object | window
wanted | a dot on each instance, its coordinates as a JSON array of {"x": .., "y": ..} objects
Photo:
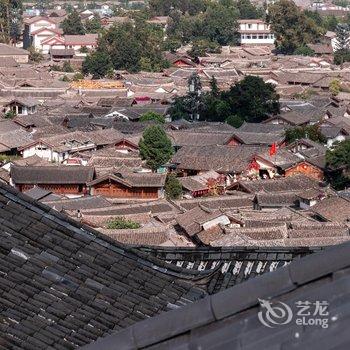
[{"x": 249, "y": 26}]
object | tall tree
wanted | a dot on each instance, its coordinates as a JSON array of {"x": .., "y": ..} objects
[
  {"x": 291, "y": 26},
  {"x": 133, "y": 48},
  {"x": 93, "y": 25},
  {"x": 338, "y": 164},
  {"x": 252, "y": 99},
  {"x": 155, "y": 147},
  {"x": 10, "y": 20},
  {"x": 249, "y": 11},
  {"x": 173, "y": 187},
  {"x": 73, "y": 25},
  {"x": 98, "y": 64}
]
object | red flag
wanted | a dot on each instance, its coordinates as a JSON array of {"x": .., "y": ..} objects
[{"x": 273, "y": 149}]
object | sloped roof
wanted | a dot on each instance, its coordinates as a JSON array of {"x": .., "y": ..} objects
[
  {"x": 223, "y": 159},
  {"x": 229, "y": 320},
  {"x": 8, "y": 50},
  {"x": 292, "y": 183},
  {"x": 72, "y": 174},
  {"x": 65, "y": 285}
]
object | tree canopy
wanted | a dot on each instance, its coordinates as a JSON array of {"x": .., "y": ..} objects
[
  {"x": 98, "y": 64},
  {"x": 72, "y": 25},
  {"x": 129, "y": 47},
  {"x": 250, "y": 100},
  {"x": 311, "y": 132},
  {"x": 93, "y": 25},
  {"x": 216, "y": 24},
  {"x": 338, "y": 163},
  {"x": 10, "y": 21},
  {"x": 173, "y": 187},
  {"x": 155, "y": 147},
  {"x": 291, "y": 26}
]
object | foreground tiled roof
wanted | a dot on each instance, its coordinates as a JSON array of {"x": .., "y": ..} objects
[
  {"x": 230, "y": 320},
  {"x": 63, "y": 285}
]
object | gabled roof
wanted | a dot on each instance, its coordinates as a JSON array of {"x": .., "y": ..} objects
[
  {"x": 222, "y": 159},
  {"x": 8, "y": 50}
]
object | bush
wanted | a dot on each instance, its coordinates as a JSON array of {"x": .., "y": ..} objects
[
  {"x": 78, "y": 76},
  {"x": 67, "y": 67},
  {"x": 304, "y": 51},
  {"x": 122, "y": 223}
]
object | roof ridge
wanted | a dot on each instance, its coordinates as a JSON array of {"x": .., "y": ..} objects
[{"x": 229, "y": 302}]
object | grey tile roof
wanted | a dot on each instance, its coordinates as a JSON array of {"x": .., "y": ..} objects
[
  {"x": 64, "y": 285},
  {"x": 35, "y": 175},
  {"x": 223, "y": 159},
  {"x": 229, "y": 320}
]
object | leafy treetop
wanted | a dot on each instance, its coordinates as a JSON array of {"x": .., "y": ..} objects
[{"x": 155, "y": 147}]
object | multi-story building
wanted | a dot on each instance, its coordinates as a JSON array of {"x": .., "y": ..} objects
[{"x": 255, "y": 31}]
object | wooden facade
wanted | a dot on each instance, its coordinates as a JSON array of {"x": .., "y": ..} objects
[
  {"x": 306, "y": 169},
  {"x": 63, "y": 189},
  {"x": 112, "y": 189}
]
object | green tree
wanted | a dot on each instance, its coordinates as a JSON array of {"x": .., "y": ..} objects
[
  {"x": 235, "y": 121},
  {"x": 134, "y": 47},
  {"x": 152, "y": 116},
  {"x": 311, "y": 132},
  {"x": 10, "y": 20},
  {"x": 338, "y": 164},
  {"x": 249, "y": 11},
  {"x": 155, "y": 147},
  {"x": 330, "y": 23},
  {"x": 165, "y": 7},
  {"x": 173, "y": 187},
  {"x": 252, "y": 99},
  {"x": 72, "y": 25},
  {"x": 220, "y": 24},
  {"x": 291, "y": 26},
  {"x": 201, "y": 47},
  {"x": 93, "y": 25},
  {"x": 98, "y": 64}
]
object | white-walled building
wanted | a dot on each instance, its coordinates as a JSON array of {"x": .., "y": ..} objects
[{"x": 254, "y": 32}]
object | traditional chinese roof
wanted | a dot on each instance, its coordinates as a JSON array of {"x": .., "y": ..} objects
[{"x": 229, "y": 320}]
